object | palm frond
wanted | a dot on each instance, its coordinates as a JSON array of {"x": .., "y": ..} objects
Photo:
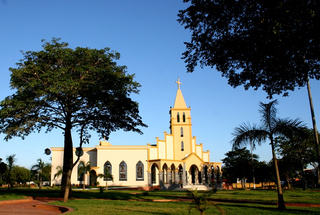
[
  {"x": 289, "y": 127},
  {"x": 268, "y": 113},
  {"x": 246, "y": 134}
]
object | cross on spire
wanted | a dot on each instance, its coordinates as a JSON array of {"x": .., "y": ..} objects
[{"x": 179, "y": 83}]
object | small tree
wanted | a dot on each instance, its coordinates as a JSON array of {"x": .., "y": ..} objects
[
  {"x": 59, "y": 172},
  {"x": 200, "y": 202},
  {"x": 106, "y": 175},
  {"x": 39, "y": 168},
  {"x": 10, "y": 176},
  {"x": 82, "y": 170}
]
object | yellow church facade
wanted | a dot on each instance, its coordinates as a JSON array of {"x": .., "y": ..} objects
[{"x": 173, "y": 161}]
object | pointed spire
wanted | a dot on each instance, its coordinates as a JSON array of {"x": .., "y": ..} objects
[{"x": 179, "y": 102}]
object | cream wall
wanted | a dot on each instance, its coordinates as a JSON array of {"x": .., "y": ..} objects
[{"x": 115, "y": 155}]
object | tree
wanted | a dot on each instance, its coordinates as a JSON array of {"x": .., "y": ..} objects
[
  {"x": 22, "y": 174},
  {"x": 299, "y": 147},
  {"x": 106, "y": 176},
  {"x": 59, "y": 172},
  {"x": 78, "y": 90},
  {"x": 39, "y": 168},
  {"x": 10, "y": 176},
  {"x": 271, "y": 126},
  {"x": 273, "y": 44},
  {"x": 3, "y": 169},
  {"x": 237, "y": 164},
  {"x": 270, "y": 44},
  {"x": 82, "y": 171}
]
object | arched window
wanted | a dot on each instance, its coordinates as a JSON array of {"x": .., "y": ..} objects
[
  {"x": 80, "y": 176},
  {"x": 139, "y": 171},
  {"x": 181, "y": 132},
  {"x": 107, "y": 169},
  {"x": 178, "y": 117},
  {"x": 182, "y": 146},
  {"x": 123, "y": 171},
  {"x": 184, "y": 117}
]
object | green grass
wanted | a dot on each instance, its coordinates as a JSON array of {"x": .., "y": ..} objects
[{"x": 135, "y": 202}]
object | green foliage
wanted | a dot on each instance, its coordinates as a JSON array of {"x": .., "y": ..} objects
[
  {"x": 106, "y": 176},
  {"x": 44, "y": 171},
  {"x": 83, "y": 169},
  {"x": 271, "y": 127},
  {"x": 79, "y": 90},
  {"x": 22, "y": 174},
  {"x": 10, "y": 176},
  {"x": 200, "y": 201},
  {"x": 269, "y": 44},
  {"x": 238, "y": 164}
]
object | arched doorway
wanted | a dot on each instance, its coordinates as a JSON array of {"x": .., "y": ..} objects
[
  {"x": 154, "y": 173},
  {"x": 194, "y": 171},
  {"x": 93, "y": 177}
]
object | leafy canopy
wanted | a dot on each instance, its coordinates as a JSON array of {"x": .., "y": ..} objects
[
  {"x": 271, "y": 44},
  {"x": 81, "y": 89}
]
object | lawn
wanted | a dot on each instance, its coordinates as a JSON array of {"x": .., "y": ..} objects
[{"x": 140, "y": 202}]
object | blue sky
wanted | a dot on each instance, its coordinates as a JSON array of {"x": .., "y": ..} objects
[{"x": 150, "y": 42}]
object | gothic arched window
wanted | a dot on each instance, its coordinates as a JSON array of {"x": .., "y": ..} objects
[
  {"x": 123, "y": 171},
  {"x": 184, "y": 117},
  {"x": 182, "y": 146},
  {"x": 181, "y": 132},
  {"x": 139, "y": 171},
  {"x": 107, "y": 169},
  {"x": 178, "y": 117}
]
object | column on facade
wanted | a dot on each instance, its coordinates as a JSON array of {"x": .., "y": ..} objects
[
  {"x": 169, "y": 177},
  {"x": 184, "y": 178},
  {"x": 176, "y": 177},
  {"x": 149, "y": 178}
]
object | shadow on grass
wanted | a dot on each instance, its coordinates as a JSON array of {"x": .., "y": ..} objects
[{"x": 269, "y": 209}]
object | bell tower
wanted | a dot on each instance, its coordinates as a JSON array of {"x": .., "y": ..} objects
[{"x": 180, "y": 126}]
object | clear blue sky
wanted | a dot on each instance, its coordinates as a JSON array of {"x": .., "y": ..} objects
[{"x": 150, "y": 42}]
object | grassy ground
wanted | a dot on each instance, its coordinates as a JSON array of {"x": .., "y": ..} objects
[{"x": 138, "y": 202}]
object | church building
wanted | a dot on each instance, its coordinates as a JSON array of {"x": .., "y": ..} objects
[{"x": 175, "y": 160}]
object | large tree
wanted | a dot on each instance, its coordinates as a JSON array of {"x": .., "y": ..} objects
[
  {"x": 238, "y": 164},
  {"x": 271, "y": 44},
  {"x": 76, "y": 90},
  {"x": 271, "y": 127},
  {"x": 297, "y": 151}
]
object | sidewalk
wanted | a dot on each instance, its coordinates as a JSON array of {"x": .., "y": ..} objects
[{"x": 31, "y": 206}]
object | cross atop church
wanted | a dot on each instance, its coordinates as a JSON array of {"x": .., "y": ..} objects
[{"x": 179, "y": 83}]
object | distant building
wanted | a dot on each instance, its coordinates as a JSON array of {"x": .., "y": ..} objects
[{"x": 177, "y": 159}]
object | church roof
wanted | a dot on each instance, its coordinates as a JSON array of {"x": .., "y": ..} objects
[{"x": 179, "y": 102}]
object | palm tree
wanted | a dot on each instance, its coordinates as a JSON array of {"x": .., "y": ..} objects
[
  {"x": 39, "y": 168},
  {"x": 270, "y": 127},
  {"x": 59, "y": 172},
  {"x": 106, "y": 175},
  {"x": 83, "y": 169}
]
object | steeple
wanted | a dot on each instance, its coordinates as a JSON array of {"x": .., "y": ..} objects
[{"x": 179, "y": 102}]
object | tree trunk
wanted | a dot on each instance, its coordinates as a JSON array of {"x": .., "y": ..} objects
[
  {"x": 314, "y": 130},
  {"x": 66, "y": 191},
  {"x": 281, "y": 204}
]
